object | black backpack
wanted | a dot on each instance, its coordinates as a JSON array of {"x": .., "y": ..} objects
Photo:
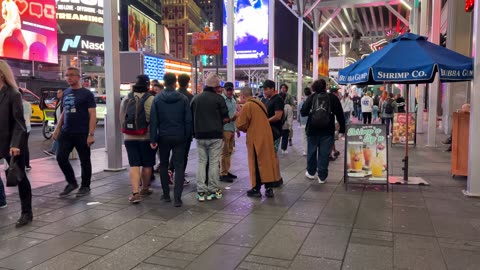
[
  {"x": 320, "y": 112},
  {"x": 135, "y": 122},
  {"x": 389, "y": 107}
]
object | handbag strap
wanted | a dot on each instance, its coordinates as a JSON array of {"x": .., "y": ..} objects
[{"x": 266, "y": 114}]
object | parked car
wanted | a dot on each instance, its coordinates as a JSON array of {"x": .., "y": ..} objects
[
  {"x": 101, "y": 109},
  {"x": 37, "y": 113}
]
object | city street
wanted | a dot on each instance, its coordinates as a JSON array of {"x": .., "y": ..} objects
[{"x": 38, "y": 143}]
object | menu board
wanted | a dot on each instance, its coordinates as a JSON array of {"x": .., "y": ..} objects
[
  {"x": 400, "y": 128},
  {"x": 366, "y": 154}
]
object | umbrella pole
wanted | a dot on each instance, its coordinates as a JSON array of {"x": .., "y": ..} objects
[{"x": 405, "y": 160}]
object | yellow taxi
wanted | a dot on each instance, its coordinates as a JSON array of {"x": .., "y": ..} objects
[{"x": 37, "y": 113}]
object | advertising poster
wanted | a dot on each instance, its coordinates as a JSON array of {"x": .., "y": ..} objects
[
  {"x": 207, "y": 43},
  {"x": 323, "y": 54},
  {"x": 366, "y": 153},
  {"x": 141, "y": 32},
  {"x": 400, "y": 128},
  {"x": 28, "y": 30},
  {"x": 251, "y": 32}
]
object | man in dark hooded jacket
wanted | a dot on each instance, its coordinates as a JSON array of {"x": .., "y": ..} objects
[{"x": 171, "y": 127}]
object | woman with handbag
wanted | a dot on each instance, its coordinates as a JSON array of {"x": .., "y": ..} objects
[{"x": 12, "y": 142}]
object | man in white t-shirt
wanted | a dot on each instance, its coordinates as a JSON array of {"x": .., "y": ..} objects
[{"x": 367, "y": 105}]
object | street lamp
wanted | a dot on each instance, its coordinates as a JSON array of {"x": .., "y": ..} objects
[{"x": 79, "y": 62}]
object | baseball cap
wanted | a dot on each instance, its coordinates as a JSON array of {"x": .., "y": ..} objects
[
  {"x": 268, "y": 83},
  {"x": 228, "y": 86}
]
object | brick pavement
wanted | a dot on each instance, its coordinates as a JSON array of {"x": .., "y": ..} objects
[{"x": 306, "y": 226}]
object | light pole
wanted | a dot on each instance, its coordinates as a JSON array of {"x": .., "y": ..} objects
[{"x": 79, "y": 62}]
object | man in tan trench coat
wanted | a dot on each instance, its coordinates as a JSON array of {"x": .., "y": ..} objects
[{"x": 262, "y": 159}]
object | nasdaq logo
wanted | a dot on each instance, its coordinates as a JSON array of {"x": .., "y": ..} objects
[
  {"x": 71, "y": 43},
  {"x": 83, "y": 43}
]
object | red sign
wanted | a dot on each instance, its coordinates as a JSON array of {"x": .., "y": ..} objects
[
  {"x": 469, "y": 5},
  {"x": 29, "y": 30},
  {"x": 206, "y": 43}
]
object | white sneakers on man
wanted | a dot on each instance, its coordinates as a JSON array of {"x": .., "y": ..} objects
[{"x": 314, "y": 177}]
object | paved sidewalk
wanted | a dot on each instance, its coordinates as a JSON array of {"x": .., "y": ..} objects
[{"x": 306, "y": 226}]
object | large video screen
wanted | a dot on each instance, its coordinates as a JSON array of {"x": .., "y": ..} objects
[
  {"x": 251, "y": 32},
  {"x": 141, "y": 32},
  {"x": 28, "y": 30}
]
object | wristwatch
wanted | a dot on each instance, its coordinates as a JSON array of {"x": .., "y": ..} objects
[{"x": 91, "y": 135}]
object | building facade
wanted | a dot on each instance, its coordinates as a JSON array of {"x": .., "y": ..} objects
[{"x": 182, "y": 17}]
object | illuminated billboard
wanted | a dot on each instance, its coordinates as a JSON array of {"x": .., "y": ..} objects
[
  {"x": 141, "y": 31},
  {"x": 29, "y": 30},
  {"x": 251, "y": 32}
]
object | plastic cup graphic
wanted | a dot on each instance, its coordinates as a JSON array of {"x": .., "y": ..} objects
[
  {"x": 367, "y": 154},
  {"x": 377, "y": 167}
]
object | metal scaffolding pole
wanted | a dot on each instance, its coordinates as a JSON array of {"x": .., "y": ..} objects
[
  {"x": 433, "y": 94},
  {"x": 112, "y": 84},
  {"x": 230, "y": 41},
  {"x": 473, "y": 180}
]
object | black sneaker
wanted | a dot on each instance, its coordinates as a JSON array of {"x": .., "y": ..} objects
[
  {"x": 83, "y": 191},
  {"x": 254, "y": 193},
  {"x": 68, "y": 189},
  {"x": 49, "y": 153},
  {"x": 177, "y": 203},
  {"x": 24, "y": 220},
  {"x": 226, "y": 178},
  {"x": 166, "y": 198},
  {"x": 232, "y": 175},
  {"x": 269, "y": 193}
]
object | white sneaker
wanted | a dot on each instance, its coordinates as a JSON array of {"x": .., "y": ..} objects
[
  {"x": 320, "y": 181},
  {"x": 304, "y": 154},
  {"x": 285, "y": 151},
  {"x": 311, "y": 177}
]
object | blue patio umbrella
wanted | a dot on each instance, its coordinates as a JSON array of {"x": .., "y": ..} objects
[{"x": 409, "y": 59}]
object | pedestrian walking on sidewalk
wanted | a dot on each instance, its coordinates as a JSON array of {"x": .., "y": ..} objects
[
  {"x": 76, "y": 129},
  {"x": 27, "y": 113},
  {"x": 228, "y": 134},
  {"x": 303, "y": 119},
  {"x": 322, "y": 108},
  {"x": 58, "y": 113},
  {"x": 367, "y": 107},
  {"x": 290, "y": 101},
  {"x": 389, "y": 108},
  {"x": 171, "y": 123},
  {"x": 135, "y": 122},
  {"x": 183, "y": 80},
  {"x": 12, "y": 140},
  {"x": 253, "y": 120},
  {"x": 287, "y": 125},
  {"x": 210, "y": 113}
]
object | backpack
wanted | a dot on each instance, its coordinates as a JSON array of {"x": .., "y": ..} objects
[
  {"x": 135, "y": 122},
  {"x": 320, "y": 112},
  {"x": 389, "y": 107}
]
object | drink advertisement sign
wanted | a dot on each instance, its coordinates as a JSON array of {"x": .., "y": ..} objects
[
  {"x": 366, "y": 154},
  {"x": 28, "y": 30},
  {"x": 399, "y": 133},
  {"x": 251, "y": 32}
]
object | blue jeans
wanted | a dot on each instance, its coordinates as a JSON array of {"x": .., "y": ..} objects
[
  {"x": 208, "y": 152},
  {"x": 319, "y": 148},
  {"x": 388, "y": 122},
  {"x": 374, "y": 113},
  {"x": 358, "y": 112}
]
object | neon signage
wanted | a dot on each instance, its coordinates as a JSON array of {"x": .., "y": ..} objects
[
  {"x": 80, "y": 10},
  {"x": 29, "y": 30},
  {"x": 469, "y": 5}
]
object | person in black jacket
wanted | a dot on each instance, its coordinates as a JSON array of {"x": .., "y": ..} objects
[
  {"x": 12, "y": 139},
  {"x": 210, "y": 113},
  {"x": 171, "y": 127},
  {"x": 321, "y": 140},
  {"x": 183, "y": 80}
]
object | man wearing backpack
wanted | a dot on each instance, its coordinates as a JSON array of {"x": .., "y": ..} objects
[
  {"x": 322, "y": 108},
  {"x": 171, "y": 122},
  {"x": 135, "y": 118},
  {"x": 389, "y": 107}
]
